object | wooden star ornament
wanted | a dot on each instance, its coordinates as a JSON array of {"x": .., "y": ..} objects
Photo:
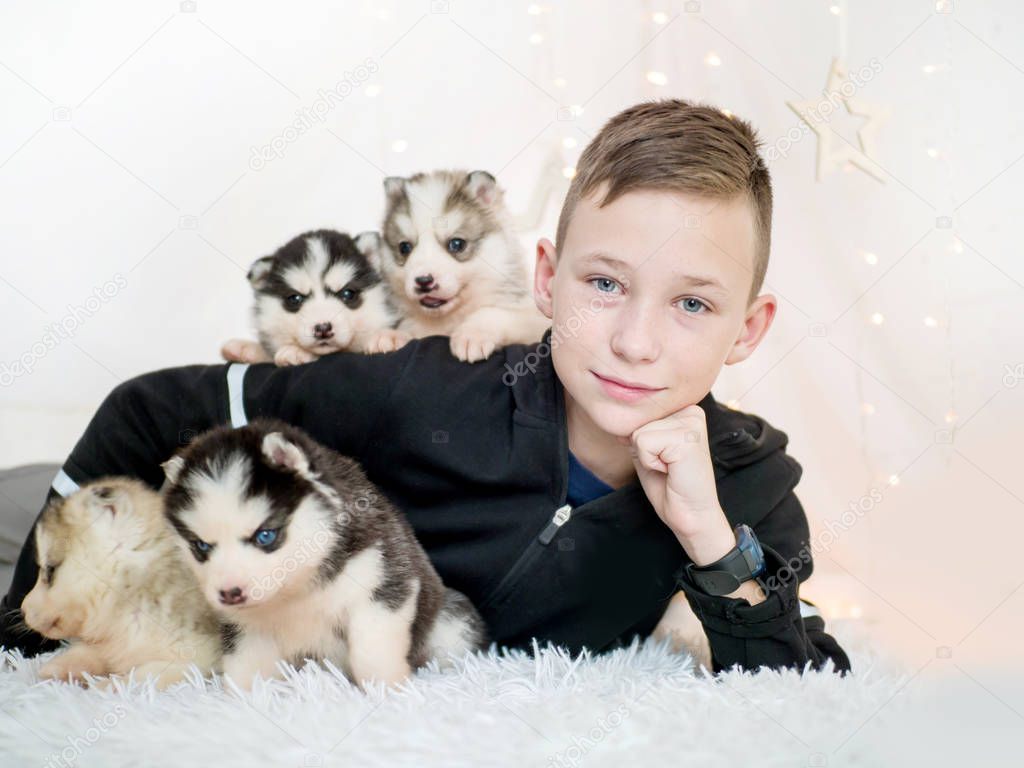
[{"x": 834, "y": 151}]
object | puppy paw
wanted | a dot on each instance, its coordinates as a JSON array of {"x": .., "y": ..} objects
[
  {"x": 292, "y": 355},
  {"x": 65, "y": 670},
  {"x": 103, "y": 683},
  {"x": 243, "y": 351},
  {"x": 387, "y": 340},
  {"x": 472, "y": 344}
]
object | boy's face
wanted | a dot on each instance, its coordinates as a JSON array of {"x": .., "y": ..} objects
[{"x": 642, "y": 318}]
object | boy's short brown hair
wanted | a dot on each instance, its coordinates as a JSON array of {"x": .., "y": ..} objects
[{"x": 677, "y": 146}]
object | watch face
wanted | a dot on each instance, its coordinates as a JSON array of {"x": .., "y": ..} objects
[{"x": 751, "y": 549}]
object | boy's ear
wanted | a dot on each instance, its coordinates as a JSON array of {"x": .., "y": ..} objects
[
  {"x": 758, "y": 320},
  {"x": 543, "y": 275}
]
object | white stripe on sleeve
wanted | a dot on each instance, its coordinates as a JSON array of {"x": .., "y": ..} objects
[
  {"x": 808, "y": 609},
  {"x": 236, "y": 373},
  {"x": 63, "y": 484}
]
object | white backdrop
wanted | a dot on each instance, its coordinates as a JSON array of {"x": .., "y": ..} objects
[{"x": 130, "y": 163}]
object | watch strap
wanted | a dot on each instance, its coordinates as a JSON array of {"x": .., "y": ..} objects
[{"x": 726, "y": 574}]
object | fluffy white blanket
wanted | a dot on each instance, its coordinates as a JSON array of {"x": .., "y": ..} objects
[{"x": 640, "y": 705}]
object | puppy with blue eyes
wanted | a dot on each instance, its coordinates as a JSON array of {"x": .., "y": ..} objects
[
  {"x": 454, "y": 264},
  {"x": 321, "y": 292},
  {"x": 303, "y": 558}
]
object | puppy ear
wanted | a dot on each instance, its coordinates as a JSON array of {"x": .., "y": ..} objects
[
  {"x": 259, "y": 270},
  {"x": 105, "y": 499},
  {"x": 369, "y": 244},
  {"x": 484, "y": 187},
  {"x": 394, "y": 186},
  {"x": 281, "y": 452},
  {"x": 172, "y": 470}
]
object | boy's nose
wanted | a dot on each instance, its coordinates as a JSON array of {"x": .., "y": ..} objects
[{"x": 635, "y": 340}]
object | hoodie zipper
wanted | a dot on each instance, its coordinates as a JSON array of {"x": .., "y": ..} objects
[
  {"x": 561, "y": 518},
  {"x": 537, "y": 545},
  {"x": 541, "y": 541}
]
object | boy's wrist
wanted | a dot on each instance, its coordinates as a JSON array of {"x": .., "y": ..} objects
[
  {"x": 713, "y": 545},
  {"x": 710, "y": 545}
]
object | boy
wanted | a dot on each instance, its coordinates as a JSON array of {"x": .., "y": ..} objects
[{"x": 569, "y": 487}]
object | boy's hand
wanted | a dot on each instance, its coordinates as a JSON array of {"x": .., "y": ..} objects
[{"x": 673, "y": 464}]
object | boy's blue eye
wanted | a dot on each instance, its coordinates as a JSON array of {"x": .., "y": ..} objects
[
  {"x": 265, "y": 537},
  {"x": 603, "y": 284},
  {"x": 692, "y": 303},
  {"x": 201, "y": 545}
]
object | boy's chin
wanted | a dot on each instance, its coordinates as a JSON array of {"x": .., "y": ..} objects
[{"x": 621, "y": 421}]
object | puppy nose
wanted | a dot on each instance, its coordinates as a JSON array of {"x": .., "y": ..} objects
[
  {"x": 322, "y": 331},
  {"x": 424, "y": 281},
  {"x": 232, "y": 596}
]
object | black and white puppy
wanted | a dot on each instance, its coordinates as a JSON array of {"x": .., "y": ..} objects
[
  {"x": 303, "y": 557},
  {"x": 319, "y": 293}
]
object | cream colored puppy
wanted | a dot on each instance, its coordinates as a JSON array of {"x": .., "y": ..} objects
[{"x": 112, "y": 582}]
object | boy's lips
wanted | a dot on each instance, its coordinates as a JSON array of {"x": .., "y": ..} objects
[{"x": 621, "y": 389}]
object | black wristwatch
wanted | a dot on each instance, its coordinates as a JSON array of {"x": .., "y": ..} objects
[{"x": 743, "y": 562}]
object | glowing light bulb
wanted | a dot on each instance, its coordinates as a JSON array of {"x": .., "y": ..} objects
[
  {"x": 835, "y": 10},
  {"x": 657, "y": 78},
  {"x": 713, "y": 59},
  {"x": 870, "y": 258},
  {"x": 950, "y": 417},
  {"x": 660, "y": 17},
  {"x": 569, "y": 171},
  {"x": 930, "y": 321},
  {"x": 878, "y": 318},
  {"x": 867, "y": 409},
  {"x": 894, "y": 479},
  {"x": 929, "y": 69},
  {"x": 932, "y": 152}
]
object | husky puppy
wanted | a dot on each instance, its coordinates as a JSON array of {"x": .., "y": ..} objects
[
  {"x": 112, "y": 581},
  {"x": 303, "y": 557},
  {"x": 319, "y": 293},
  {"x": 454, "y": 265}
]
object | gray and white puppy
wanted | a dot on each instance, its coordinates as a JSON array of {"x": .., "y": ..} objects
[
  {"x": 302, "y": 557},
  {"x": 319, "y": 293},
  {"x": 454, "y": 265}
]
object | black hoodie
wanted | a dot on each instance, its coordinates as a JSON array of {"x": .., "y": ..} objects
[{"x": 476, "y": 455}]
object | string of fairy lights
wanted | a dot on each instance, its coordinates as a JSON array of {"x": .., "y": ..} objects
[
  {"x": 565, "y": 142},
  {"x": 547, "y": 34}
]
